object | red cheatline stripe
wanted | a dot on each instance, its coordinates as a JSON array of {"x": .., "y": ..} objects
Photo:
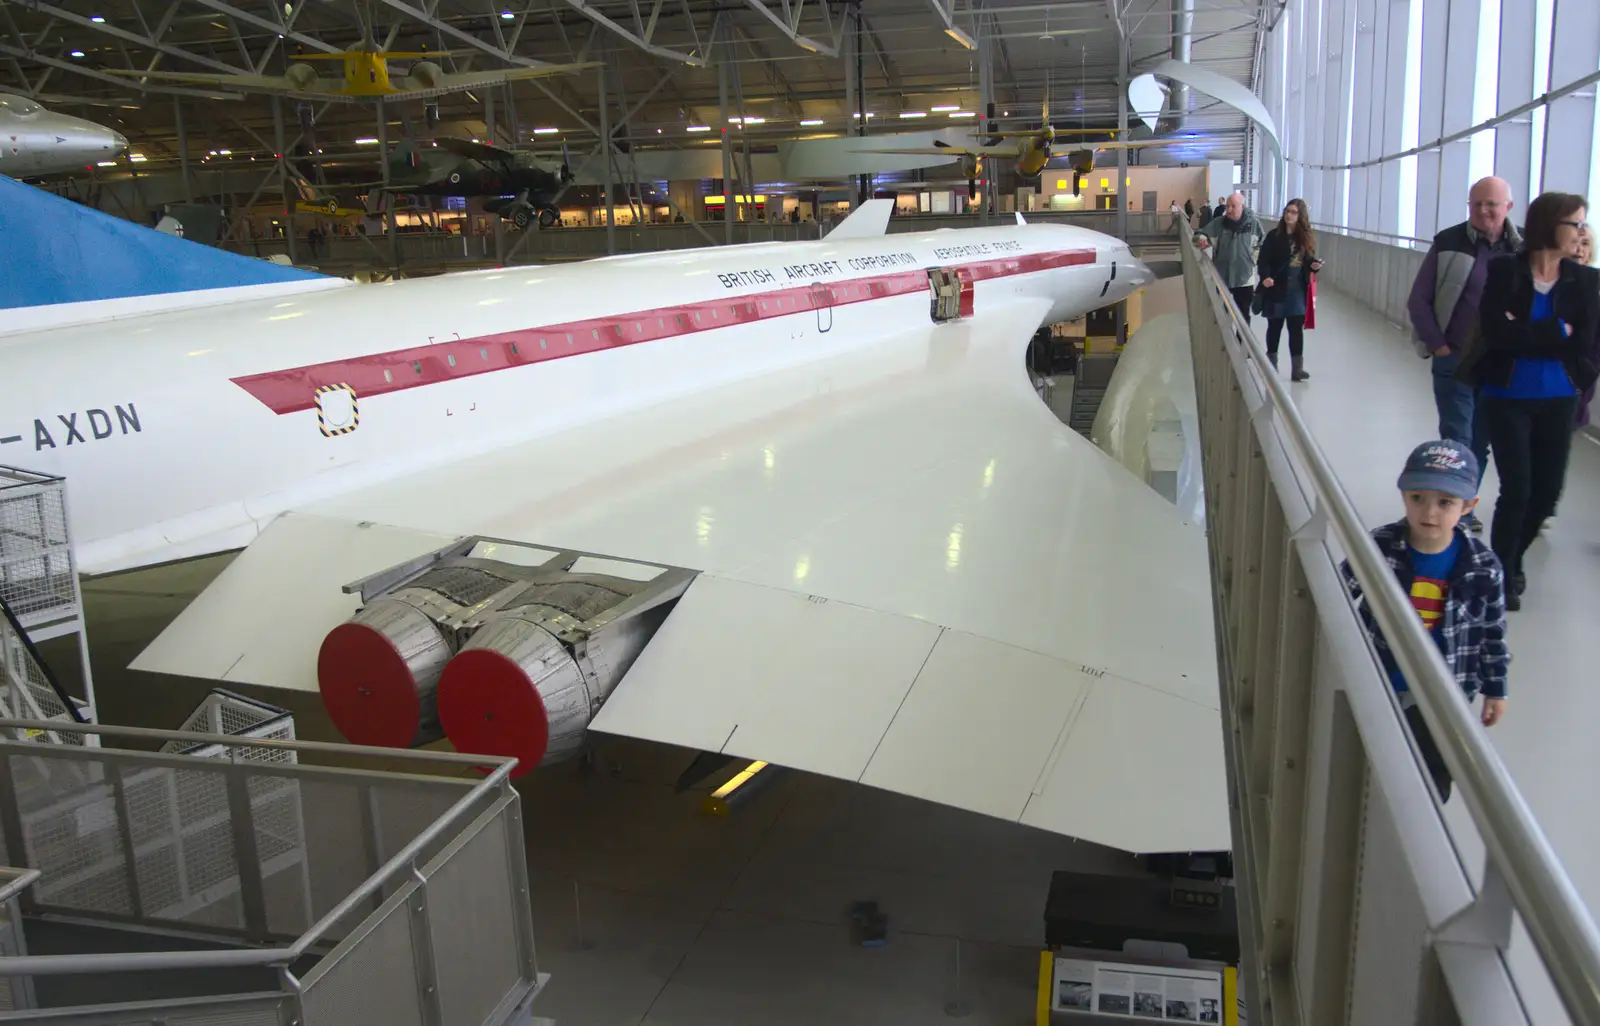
[{"x": 294, "y": 388}]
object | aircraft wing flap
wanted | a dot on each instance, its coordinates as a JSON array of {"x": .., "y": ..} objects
[
  {"x": 771, "y": 674},
  {"x": 261, "y": 620}
]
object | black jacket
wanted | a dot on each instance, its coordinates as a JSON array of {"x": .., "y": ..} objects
[
  {"x": 1273, "y": 262},
  {"x": 1509, "y": 290}
]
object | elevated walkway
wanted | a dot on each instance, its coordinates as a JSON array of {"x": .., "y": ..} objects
[
  {"x": 1362, "y": 900},
  {"x": 241, "y": 883}
]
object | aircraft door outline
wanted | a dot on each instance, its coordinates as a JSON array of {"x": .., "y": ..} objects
[{"x": 822, "y": 301}]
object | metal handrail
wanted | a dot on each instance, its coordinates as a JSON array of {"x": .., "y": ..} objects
[
  {"x": 57, "y": 965},
  {"x": 13, "y": 881},
  {"x": 1345, "y": 229},
  {"x": 1562, "y": 930}
]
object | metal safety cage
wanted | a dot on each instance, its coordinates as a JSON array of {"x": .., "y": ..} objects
[
  {"x": 1355, "y": 905},
  {"x": 38, "y": 577},
  {"x": 408, "y": 878}
]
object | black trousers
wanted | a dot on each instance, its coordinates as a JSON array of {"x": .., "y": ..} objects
[
  {"x": 1241, "y": 299},
  {"x": 1297, "y": 335},
  {"x": 1531, "y": 439},
  {"x": 1430, "y": 752}
]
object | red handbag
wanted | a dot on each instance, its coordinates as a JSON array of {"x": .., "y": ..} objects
[{"x": 1311, "y": 303}]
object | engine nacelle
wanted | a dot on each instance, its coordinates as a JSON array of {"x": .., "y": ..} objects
[
  {"x": 503, "y": 658},
  {"x": 424, "y": 75}
]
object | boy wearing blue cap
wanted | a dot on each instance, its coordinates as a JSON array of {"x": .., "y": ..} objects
[{"x": 1455, "y": 583}]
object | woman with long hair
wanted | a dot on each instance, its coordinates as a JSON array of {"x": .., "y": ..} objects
[
  {"x": 1538, "y": 316},
  {"x": 1286, "y": 263}
]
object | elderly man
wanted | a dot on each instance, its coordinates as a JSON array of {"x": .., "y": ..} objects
[
  {"x": 1232, "y": 239},
  {"x": 1444, "y": 309}
]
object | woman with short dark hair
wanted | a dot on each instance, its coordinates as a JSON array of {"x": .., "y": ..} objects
[
  {"x": 1287, "y": 260},
  {"x": 1539, "y": 315}
]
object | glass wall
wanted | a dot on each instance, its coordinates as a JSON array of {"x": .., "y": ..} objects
[{"x": 1357, "y": 85}]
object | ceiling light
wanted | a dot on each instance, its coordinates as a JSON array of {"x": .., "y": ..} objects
[
  {"x": 545, "y": 131},
  {"x": 699, "y": 128},
  {"x": 944, "y": 110},
  {"x": 98, "y": 20},
  {"x": 366, "y": 142},
  {"x": 77, "y": 53},
  {"x": 137, "y": 158},
  {"x": 106, "y": 163},
  {"x": 964, "y": 114},
  {"x": 229, "y": 153},
  {"x": 913, "y": 114},
  {"x": 1005, "y": 113},
  {"x": 869, "y": 114},
  {"x": 508, "y": 16},
  {"x": 961, "y": 37},
  {"x": 811, "y": 121}
]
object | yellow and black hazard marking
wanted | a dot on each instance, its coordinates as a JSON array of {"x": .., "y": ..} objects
[{"x": 337, "y": 415}]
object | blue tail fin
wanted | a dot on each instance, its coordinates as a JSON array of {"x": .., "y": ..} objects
[{"x": 55, "y": 251}]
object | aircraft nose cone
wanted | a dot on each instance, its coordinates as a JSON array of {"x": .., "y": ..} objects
[{"x": 119, "y": 142}]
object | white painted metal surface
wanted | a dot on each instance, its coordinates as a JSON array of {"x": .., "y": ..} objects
[{"x": 850, "y": 451}]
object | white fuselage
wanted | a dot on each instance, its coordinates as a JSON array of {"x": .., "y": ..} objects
[
  {"x": 184, "y": 431},
  {"x": 35, "y": 141}
]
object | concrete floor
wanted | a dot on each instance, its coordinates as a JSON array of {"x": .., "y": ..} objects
[{"x": 647, "y": 911}]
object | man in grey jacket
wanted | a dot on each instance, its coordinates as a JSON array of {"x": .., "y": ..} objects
[
  {"x": 1444, "y": 309},
  {"x": 1233, "y": 239}
]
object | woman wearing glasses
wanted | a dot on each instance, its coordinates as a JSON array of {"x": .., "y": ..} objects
[{"x": 1539, "y": 315}]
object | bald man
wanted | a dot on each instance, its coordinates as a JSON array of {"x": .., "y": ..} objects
[
  {"x": 1232, "y": 240},
  {"x": 1444, "y": 309}
]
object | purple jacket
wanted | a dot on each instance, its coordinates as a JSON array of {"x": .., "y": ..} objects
[{"x": 1453, "y": 274}]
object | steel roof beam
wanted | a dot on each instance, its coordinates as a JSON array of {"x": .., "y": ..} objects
[
  {"x": 100, "y": 76},
  {"x": 640, "y": 41},
  {"x": 789, "y": 24},
  {"x": 149, "y": 42}
]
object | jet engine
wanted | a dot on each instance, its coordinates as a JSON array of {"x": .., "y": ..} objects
[
  {"x": 424, "y": 75},
  {"x": 502, "y": 657},
  {"x": 1082, "y": 162}
]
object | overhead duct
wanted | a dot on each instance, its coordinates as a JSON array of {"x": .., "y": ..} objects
[{"x": 1177, "y": 114}]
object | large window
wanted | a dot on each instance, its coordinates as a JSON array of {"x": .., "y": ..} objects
[{"x": 1544, "y": 16}]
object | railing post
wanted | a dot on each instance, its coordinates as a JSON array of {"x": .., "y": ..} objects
[
  {"x": 125, "y": 833},
  {"x": 422, "y": 947},
  {"x": 242, "y": 821},
  {"x": 517, "y": 859}
]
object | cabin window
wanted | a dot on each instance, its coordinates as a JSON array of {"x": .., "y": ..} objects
[
  {"x": 638, "y": 328},
  {"x": 697, "y": 316},
  {"x": 483, "y": 354},
  {"x": 451, "y": 359},
  {"x": 596, "y": 333},
  {"x": 388, "y": 375},
  {"x": 416, "y": 365},
  {"x": 543, "y": 344},
  {"x": 714, "y": 313},
  {"x": 763, "y": 305},
  {"x": 514, "y": 349},
  {"x": 569, "y": 338},
  {"x": 661, "y": 323}
]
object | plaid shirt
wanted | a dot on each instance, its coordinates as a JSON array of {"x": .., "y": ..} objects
[{"x": 1472, "y": 633}]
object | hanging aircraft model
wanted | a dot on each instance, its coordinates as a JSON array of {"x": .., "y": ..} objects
[
  {"x": 515, "y": 184},
  {"x": 366, "y": 76},
  {"x": 893, "y": 563},
  {"x": 1031, "y": 151},
  {"x": 36, "y": 141}
]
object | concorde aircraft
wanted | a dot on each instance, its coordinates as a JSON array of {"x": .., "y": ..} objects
[{"x": 909, "y": 573}]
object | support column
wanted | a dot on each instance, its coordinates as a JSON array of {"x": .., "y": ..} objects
[
  {"x": 1430, "y": 116},
  {"x": 1368, "y": 73},
  {"x": 985, "y": 101},
  {"x": 1385, "y": 206},
  {"x": 283, "y": 178},
  {"x": 183, "y": 149},
  {"x": 1461, "y": 74},
  {"x": 388, "y": 197},
  {"x": 727, "y": 142},
  {"x": 1337, "y": 130},
  {"x": 607, "y": 177},
  {"x": 1569, "y": 127},
  {"x": 1513, "y": 140}
]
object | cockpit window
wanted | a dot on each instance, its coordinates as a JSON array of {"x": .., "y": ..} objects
[{"x": 18, "y": 105}]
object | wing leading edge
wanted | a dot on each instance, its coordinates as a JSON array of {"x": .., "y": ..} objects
[{"x": 912, "y": 575}]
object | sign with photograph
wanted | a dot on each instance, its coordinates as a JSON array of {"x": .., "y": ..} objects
[{"x": 1143, "y": 993}]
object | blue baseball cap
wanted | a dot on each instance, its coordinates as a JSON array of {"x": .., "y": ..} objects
[{"x": 1441, "y": 466}]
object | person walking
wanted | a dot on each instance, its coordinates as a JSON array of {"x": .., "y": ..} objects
[
  {"x": 1222, "y": 207},
  {"x": 1538, "y": 317},
  {"x": 1443, "y": 308},
  {"x": 1288, "y": 260},
  {"x": 1232, "y": 239},
  {"x": 1188, "y": 211}
]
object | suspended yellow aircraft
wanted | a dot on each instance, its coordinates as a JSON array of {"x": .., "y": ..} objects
[
  {"x": 366, "y": 77},
  {"x": 1031, "y": 152}
]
